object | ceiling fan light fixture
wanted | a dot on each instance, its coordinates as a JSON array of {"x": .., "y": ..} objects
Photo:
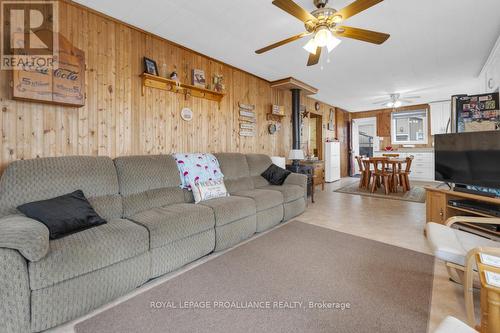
[
  {"x": 397, "y": 104},
  {"x": 321, "y": 37},
  {"x": 332, "y": 43},
  {"x": 311, "y": 46},
  {"x": 337, "y": 19}
]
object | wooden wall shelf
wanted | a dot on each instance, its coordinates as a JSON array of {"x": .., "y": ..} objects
[
  {"x": 275, "y": 117},
  {"x": 187, "y": 90}
]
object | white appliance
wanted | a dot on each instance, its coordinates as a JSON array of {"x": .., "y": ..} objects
[{"x": 332, "y": 161}]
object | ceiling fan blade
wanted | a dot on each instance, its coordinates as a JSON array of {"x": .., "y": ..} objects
[
  {"x": 295, "y": 10},
  {"x": 362, "y": 34},
  {"x": 412, "y": 97},
  {"x": 314, "y": 58},
  {"x": 356, "y": 7},
  {"x": 282, "y": 42}
]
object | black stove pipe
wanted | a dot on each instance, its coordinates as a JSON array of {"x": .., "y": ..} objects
[
  {"x": 296, "y": 118},
  {"x": 295, "y": 123}
]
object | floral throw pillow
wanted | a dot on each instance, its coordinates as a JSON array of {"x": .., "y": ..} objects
[{"x": 194, "y": 168}]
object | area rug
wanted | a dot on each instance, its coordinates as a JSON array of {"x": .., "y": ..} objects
[
  {"x": 296, "y": 278},
  {"x": 416, "y": 194}
]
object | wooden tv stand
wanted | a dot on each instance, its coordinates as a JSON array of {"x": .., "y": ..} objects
[{"x": 438, "y": 210}]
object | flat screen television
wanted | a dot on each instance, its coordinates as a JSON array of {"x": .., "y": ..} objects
[{"x": 471, "y": 158}]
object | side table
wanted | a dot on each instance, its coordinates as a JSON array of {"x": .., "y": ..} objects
[{"x": 309, "y": 172}]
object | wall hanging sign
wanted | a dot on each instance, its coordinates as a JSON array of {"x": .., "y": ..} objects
[
  {"x": 277, "y": 113},
  {"x": 247, "y": 133},
  {"x": 64, "y": 83},
  {"x": 187, "y": 114},
  {"x": 248, "y": 126},
  {"x": 248, "y": 119},
  {"x": 331, "y": 120}
]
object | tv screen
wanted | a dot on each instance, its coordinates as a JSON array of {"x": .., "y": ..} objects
[{"x": 471, "y": 158}]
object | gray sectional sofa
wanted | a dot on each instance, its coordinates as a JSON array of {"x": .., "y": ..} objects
[{"x": 153, "y": 228}]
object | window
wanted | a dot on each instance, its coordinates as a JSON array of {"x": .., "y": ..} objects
[{"x": 409, "y": 127}]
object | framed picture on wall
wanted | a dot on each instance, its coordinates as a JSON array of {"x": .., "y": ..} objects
[
  {"x": 331, "y": 120},
  {"x": 198, "y": 78},
  {"x": 150, "y": 66}
]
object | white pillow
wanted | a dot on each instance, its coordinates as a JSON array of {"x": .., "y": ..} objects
[{"x": 209, "y": 190}]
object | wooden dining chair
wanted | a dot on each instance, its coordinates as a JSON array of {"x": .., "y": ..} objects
[
  {"x": 404, "y": 175},
  {"x": 380, "y": 175},
  {"x": 364, "y": 181}
]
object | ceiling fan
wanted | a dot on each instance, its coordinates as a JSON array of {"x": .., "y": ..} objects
[
  {"x": 395, "y": 101},
  {"x": 324, "y": 24}
]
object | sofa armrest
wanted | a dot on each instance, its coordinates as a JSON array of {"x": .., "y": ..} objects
[
  {"x": 29, "y": 237},
  {"x": 297, "y": 179}
]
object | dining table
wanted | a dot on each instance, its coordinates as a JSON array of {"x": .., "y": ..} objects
[{"x": 394, "y": 165}]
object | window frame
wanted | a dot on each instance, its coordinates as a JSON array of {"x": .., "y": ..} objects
[{"x": 394, "y": 133}]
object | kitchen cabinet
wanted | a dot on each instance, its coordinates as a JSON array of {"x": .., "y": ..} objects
[
  {"x": 384, "y": 124},
  {"x": 490, "y": 74},
  {"x": 422, "y": 167},
  {"x": 440, "y": 116}
]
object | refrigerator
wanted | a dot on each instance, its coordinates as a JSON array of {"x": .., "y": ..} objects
[{"x": 332, "y": 161}]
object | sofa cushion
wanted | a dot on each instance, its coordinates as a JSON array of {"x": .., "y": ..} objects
[
  {"x": 258, "y": 163},
  {"x": 290, "y": 192},
  {"x": 44, "y": 178},
  {"x": 147, "y": 182},
  {"x": 234, "y": 166},
  {"x": 170, "y": 223},
  {"x": 264, "y": 199},
  {"x": 230, "y": 209},
  {"x": 87, "y": 251},
  {"x": 63, "y": 215}
]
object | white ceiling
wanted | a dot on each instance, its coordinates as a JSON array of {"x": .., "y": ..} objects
[{"x": 437, "y": 47}]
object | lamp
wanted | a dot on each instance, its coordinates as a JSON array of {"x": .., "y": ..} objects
[{"x": 296, "y": 155}]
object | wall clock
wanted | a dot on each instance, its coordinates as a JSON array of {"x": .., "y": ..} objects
[
  {"x": 187, "y": 114},
  {"x": 317, "y": 106}
]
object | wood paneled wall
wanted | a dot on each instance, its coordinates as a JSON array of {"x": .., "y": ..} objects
[{"x": 117, "y": 120}]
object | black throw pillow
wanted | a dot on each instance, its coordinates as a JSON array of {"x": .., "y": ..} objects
[
  {"x": 275, "y": 175},
  {"x": 63, "y": 215}
]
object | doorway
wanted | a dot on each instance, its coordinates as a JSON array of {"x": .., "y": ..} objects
[
  {"x": 364, "y": 139},
  {"x": 315, "y": 136}
]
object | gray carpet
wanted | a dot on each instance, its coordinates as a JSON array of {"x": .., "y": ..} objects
[
  {"x": 388, "y": 289},
  {"x": 416, "y": 194}
]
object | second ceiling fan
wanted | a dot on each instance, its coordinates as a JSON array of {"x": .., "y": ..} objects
[{"x": 324, "y": 23}]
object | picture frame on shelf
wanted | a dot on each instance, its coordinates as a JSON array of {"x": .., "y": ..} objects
[
  {"x": 198, "y": 78},
  {"x": 150, "y": 66}
]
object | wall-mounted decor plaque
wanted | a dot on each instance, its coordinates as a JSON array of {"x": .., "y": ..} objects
[{"x": 63, "y": 83}]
